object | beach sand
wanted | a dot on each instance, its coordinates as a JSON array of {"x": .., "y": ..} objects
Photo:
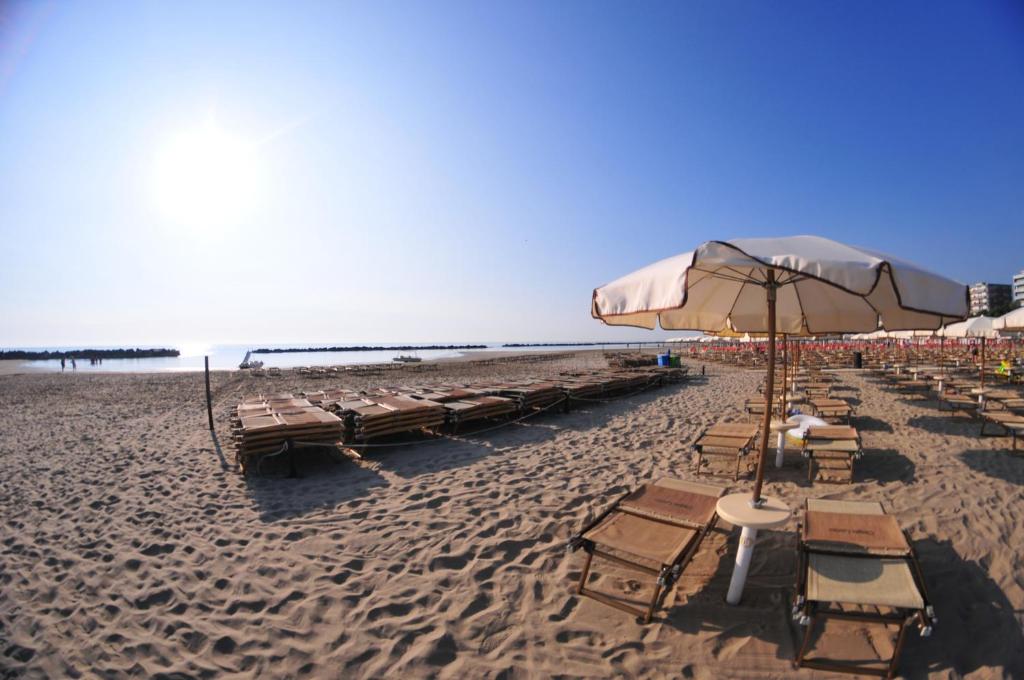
[{"x": 129, "y": 544}]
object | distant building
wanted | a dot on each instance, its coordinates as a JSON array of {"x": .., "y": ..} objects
[
  {"x": 989, "y": 296},
  {"x": 1018, "y": 288}
]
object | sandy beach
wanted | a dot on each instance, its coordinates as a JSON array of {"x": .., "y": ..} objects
[{"x": 130, "y": 546}]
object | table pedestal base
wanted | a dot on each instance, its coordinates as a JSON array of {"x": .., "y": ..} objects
[{"x": 739, "y": 575}]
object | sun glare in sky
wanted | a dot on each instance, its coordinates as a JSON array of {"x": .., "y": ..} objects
[{"x": 207, "y": 178}]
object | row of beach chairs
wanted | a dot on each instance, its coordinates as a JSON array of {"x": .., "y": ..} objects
[
  {"x": 1000, "y": 411},
  {"x": 830, "y": 450},
  {"x": 265, "y": 424}
]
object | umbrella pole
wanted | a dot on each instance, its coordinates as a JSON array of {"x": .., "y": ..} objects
[
  {"x": 756, "y": 500},
  {"x": 785, "y": 381},
  {"x": 982, "y": 369}
]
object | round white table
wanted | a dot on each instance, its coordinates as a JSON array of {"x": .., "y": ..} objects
[
  {"x": 737, "y": 510},
  {"x": 782, "y": 427}
]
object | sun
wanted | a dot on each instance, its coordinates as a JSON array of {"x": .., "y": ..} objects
[{"x": 207, "y": 178}]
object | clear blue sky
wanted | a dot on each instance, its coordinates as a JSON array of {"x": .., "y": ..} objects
[{"x": 462, "y": 171}]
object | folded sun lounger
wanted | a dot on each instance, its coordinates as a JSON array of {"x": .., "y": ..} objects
[
  {"x": 655, "y": 529},
  {"x": 855, "y": 563},
  {"x": 726, "y": 440},
  {"x": 832, "y": 410},
  {"x": 831, "y": 451}
]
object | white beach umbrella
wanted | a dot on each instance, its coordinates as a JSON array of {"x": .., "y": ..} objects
[
  {"x": 976, "y": 327},
  {"x": 1011, "y": 321},
  {"x": 785, "y": 284}
]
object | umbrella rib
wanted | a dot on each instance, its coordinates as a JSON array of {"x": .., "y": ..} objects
[
  {"x": 733, "y": 306},
  {"x": 739, "y": 277},
  {"x": 800, "y": 305}
]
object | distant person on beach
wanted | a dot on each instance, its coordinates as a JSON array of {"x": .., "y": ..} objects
[
  {"x": 74, "y": 366},
  {"x": 62, "y": 364}
]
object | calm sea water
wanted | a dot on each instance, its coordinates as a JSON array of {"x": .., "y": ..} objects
[{"x": 227, "y": 357}]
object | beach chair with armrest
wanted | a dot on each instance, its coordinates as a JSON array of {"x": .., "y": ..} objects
[
  {"x": 732, "y": 441},
  {"x": 831, "y": 451},
  {"x": 854, "y": 563},
  {"x": 655, "y": 529}
]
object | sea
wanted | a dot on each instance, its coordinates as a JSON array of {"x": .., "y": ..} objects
[{"x": 227, "y": 357}]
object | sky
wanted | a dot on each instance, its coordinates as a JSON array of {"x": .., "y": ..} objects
[{"x": 307, "y": 172}]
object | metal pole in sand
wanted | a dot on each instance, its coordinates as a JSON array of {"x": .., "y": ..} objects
[{"x": 209, "y": 401}]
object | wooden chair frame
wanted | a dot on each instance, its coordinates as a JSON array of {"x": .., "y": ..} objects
[
  {"x": 665, "y": 574},
  {"x": 712, "y": 450}
]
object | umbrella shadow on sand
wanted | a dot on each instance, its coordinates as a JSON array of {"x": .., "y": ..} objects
[
  {"x": 472, "y": 444},
  {"x": 884, "y": 465},
  {"x": 947, "y": 424},
  {"x": 325, "y": 481},
  {"x": 757, "y": 630},
  {"x": 997, "y": 463},
  {"x": 871, "y": 424},
  {"x": 978, "y": 627}
]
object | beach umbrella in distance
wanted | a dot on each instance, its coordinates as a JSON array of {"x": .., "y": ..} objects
[
  {"x": 770, "y": 285},
  {"x": 1011, "y": 321},
  {"x": 976, "y": 327}
]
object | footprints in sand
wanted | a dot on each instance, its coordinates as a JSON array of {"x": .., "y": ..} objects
[{"x": 433, "y": 561}]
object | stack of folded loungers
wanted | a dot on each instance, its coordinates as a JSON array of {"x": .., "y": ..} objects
[
  {"x": 618, "y": 382},
  {"x": 477, "y": 408},
  {"x": 372, "y": 417},
  {"x": 580, "y": 387},
  {"x": 263, "y": 425},
  {"x": 464, "y": 404},
  {"x": 326, "y": 399},
  {"x": 632, "y": 360},
  {"x": 530, "y": 394}
]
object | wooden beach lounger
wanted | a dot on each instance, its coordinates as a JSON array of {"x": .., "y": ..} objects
[
  {"x": 656, "y": 529},
  {"x": 832, "y": 410},
  {"x": 855, "y": 563},
  {"x": 953, "y": 402},
  {"x": 1011, "y": 423},
  {"x": 726, "y": 440},
  {"x": 817, "y": 390},
  {"x": 831, "y": 451}
]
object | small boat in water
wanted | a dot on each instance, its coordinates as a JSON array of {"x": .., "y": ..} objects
[
  {"x": 250, "y": 363},
  {"x": 407, "y": 359}
]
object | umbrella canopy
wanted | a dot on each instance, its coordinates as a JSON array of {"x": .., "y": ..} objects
[
  {"x": 1011, "y": 321},
  {"x": 789, "y": 284},
  {"x": 823, "y": 286},
  {"x": 975, "y": 327}
]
